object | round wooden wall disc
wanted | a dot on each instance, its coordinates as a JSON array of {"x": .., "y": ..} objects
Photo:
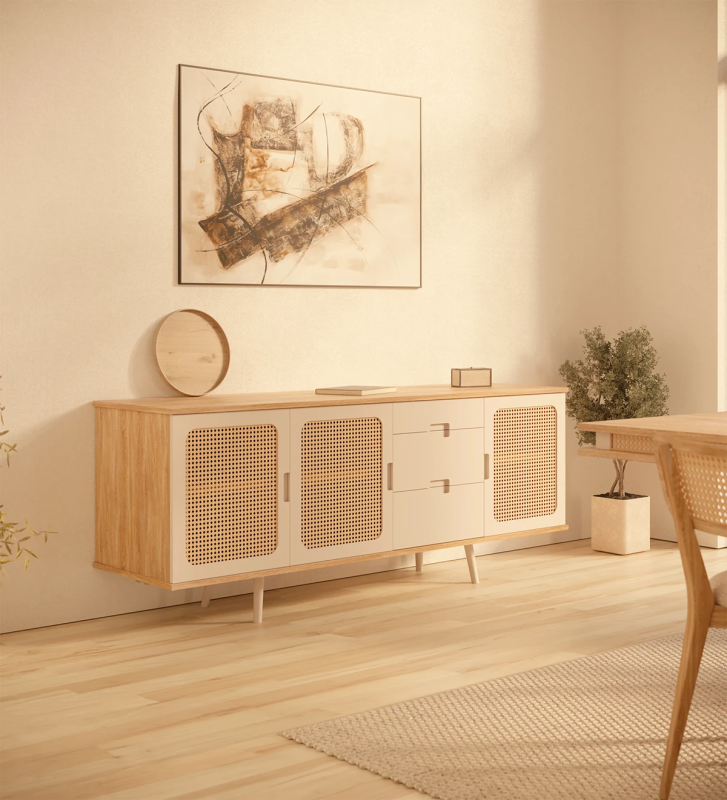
[{"x": 192, "y": 352}]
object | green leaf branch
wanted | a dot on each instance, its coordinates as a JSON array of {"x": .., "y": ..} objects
[
  {"x": 614, "y": 380},
  {"x": 13, "y": 537},
  {"x": 13, "y": 540}
]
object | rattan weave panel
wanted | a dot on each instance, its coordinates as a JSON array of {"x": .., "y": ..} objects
[
  {"x": 525, "y": 463},
  {"x": 704, "y": 483},
  {"x": 632, "y": 444},
  {"x": 231, "y": 493},
  {"x": 341, "y": 481}
]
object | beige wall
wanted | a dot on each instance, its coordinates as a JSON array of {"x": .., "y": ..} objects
[
  {"x": 629, "y": 211},
  {"x": 526, "y": 112},
  {"x": 668, "y": 216},
  {"x": 722, "y": 197}
]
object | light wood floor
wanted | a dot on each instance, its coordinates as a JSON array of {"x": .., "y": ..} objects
[{"x": 186, "y": 703}]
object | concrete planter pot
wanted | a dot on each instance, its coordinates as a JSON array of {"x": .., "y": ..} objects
[{"x": 620, "y": 526}]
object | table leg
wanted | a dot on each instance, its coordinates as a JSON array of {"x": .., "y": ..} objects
[
  {"x": 469, "y": 550},
  {"x": 257, "y": 600}
]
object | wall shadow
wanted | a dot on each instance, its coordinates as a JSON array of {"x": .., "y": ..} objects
[
  {"x": 144, "y": 377},
  {"x": 579, "y": 202},
  {"x": 626, "y": 198}
]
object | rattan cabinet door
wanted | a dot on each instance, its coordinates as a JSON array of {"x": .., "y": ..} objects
[
  {"x": 229, "y": 510},
  {"x": 525, "y": 456},
  {"x": 340, "y": 497}
]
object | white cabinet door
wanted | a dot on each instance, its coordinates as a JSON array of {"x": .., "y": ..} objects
[
  {"x": 228, "y": 475},
  {"x": 340, "y": 497},
  {"x": 525, "y": 451}
]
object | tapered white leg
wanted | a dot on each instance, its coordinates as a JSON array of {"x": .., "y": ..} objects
[
  {"x": 257, "y": 599},
  {"x": 419, "y": 561},
  {"x": 469, "y": 550},
  {"x": 206, "y": 596}
]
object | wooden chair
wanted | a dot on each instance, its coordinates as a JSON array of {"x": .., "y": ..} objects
[{"x": 694, "y": 478}]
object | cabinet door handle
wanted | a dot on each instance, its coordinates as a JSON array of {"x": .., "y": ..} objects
[
  {"x": 445, "y": 426},
  {"x": 487, "y": 466},
  {"x": 390, "y": 475},
  {"x": 286, "y": 487},
  {"x": 445, "y": 481}
]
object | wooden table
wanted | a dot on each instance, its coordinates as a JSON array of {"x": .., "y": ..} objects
[{"x": 632, "y": 439}]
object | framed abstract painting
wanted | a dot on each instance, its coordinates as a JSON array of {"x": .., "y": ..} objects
[{"x": 292, "y": 183}]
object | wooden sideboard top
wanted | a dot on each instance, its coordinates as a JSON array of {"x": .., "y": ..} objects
[
  {"x": 709, "y": 427},
  {"x": 212, "y": 403}
]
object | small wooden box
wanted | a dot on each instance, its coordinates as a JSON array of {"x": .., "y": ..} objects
[{"x": 472, "y": 376}]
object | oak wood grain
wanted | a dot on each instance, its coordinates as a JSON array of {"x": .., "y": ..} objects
[
  {"x": 132, "y": 492},
  {"x": 700, "y": 427},
  {"x": 719, "y": 617},
  {"x": 191, "y": 351},
  {"x": 331, "y": 563},
  {"x": 308, "y": 399},
  {"x": 700, "y": 596},
  {"x": 626, "y": 455},
  {"x": 187, "y": 702}
]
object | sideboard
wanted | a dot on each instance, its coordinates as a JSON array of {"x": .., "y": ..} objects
[{"x": 191, "y": 492}]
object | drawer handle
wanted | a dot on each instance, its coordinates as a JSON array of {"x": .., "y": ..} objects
[
  {"x": 286, "y": 487},
  {"x": 445, "y": 426},
  {"x": 390, "y": 475},
  {"x": 487, "y": 466},
  {"x": 445, "y": 481}
]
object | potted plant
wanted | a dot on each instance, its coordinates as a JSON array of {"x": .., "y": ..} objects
[{"x": 616, "y": 380}]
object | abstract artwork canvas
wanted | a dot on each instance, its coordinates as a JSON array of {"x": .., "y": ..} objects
[{"x": 291, "y": 183}]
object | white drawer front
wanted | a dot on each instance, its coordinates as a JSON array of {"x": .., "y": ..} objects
[
  {"x": 458, "y": 513},
  {"x": 421, "y": 458},
  {"x": 411, "y": 519},
  {"x": 412, "y": 462},
  {"x": 438, "y": 414},
  {"x": 433, "y": 516},
  {"x": 459, "y": 457}
]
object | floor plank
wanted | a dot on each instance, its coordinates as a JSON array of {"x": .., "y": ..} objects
[{"x": 186, "y": 703}]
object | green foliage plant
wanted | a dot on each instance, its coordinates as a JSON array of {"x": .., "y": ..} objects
[
  {"x": 13, "y": 540},
  {"x": 13, "y": 537},
  {"x": 614, "y": 380}
]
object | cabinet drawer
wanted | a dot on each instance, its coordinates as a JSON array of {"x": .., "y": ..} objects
[
  {"x": 437, "y": 414},
  {"x": 420, "y": 458},
  {"x": 433, "y": 516}
]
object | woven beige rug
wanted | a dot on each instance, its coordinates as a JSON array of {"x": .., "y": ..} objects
[{"x": 590, "y": 729}]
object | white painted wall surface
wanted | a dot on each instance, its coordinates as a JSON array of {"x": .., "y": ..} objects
[
  {"x": 525, "y": 116},
  {"x": 668, "y": 220},
  {"x": 722, "y": 197}
]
